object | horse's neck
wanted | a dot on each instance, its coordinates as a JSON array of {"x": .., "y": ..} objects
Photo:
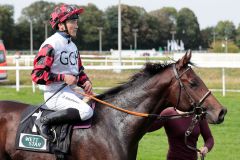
[{"x": 138, "y": 99}]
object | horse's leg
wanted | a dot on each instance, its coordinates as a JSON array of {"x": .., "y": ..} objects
[
  {"x": 3, "y": 132},
  {"x": 5, "y": 157},
  {"x": 9, "y": 120}
]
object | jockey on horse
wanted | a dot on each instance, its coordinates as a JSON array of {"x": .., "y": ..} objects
[{"x": 58, "y": 63}]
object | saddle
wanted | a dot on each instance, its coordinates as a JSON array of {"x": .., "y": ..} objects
[{"x": 27, "y": 137}]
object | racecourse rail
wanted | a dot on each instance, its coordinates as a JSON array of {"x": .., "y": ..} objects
[{"x": 106, "y": 62}]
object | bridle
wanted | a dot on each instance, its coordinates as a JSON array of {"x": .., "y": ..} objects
[
  {"x": 197, "y": 106},
  {"x": 198, "y": 112}
]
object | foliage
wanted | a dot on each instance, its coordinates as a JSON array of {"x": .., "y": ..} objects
[
  {"x": 149, "y": 33},
  {"x": 39, "y": 13},
  {"x": 153, "y": 28},
  {"x": 225, "y": 29},
  {"x": 111, "y": 15},
  {"x": 6, "y": 24},
  {"x": 220, "y": 47},
  {"x": 132, "y": 18},
  {"x": 167, "y": 18},
  {"x": 237, "y": 40},
  {"x": 207, "y": 35},
  {"x": 188, "y": 28},
  {"x": 90, "y": 20}
]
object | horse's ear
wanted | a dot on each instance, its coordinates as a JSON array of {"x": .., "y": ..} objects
[{"x": 185, "y": 59}]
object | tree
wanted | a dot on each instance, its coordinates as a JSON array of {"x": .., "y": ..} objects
[
  {"x": 131, "y": 17},
  {"x": 208, "y": 37},
  {"x": 111, "y": 15},
  {"x": 148, "y": 32},
  {"x": 153, "y": 28},
  {"x": 147, "y": 28},
  {"x": 188, "y": 29},
  {"x": 238, "y": 36},
  {"x": 225, "y": 29},
  {"x": 39, "y": 13},
  {"x": 90, "y": 20},
  {"x": 7, "y": 25},
  {"x": 167, "y": 18},
  {"x": 220, "y": 47}
]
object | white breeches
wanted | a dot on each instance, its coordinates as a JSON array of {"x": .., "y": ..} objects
[{"x": 67, "y": 98}]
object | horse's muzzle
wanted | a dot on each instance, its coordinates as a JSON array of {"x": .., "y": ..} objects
[{"x": 221, "y": 115}]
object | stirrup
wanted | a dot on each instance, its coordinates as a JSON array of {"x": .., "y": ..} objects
[
  {"x": 54, "y": 138},
  {"x": 40, "y": 130}
]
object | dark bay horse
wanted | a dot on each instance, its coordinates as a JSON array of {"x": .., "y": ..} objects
[{"x": 115, "y": 135}]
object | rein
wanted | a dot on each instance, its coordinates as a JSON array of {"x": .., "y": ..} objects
[
  {"x": 188, "y": 132},
  {"x": 197, "y": 108},
  {"x": 136, "y": 113},
  {"x": 114, "y": 107}
]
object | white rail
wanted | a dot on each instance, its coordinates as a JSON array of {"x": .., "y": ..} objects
[
  {"x": 27, "y": 60},
  {"x": 201, "y": 60}
]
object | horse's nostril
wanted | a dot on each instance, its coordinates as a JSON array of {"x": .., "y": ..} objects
[{"x": 221, "y": 115}]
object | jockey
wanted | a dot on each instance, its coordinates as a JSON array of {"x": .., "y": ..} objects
[{"x": 58, "y": 62}]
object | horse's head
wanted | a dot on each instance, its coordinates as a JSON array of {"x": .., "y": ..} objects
[{"x": 190, "y": 92}]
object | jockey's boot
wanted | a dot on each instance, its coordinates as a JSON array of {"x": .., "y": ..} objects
[{"x": 69, "y": 115}]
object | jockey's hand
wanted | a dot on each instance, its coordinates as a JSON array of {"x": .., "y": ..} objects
[
  {"x": 87, "y": 86},
  {"x": 203, "y": 151},
  {"x": 70, "y": 79}
]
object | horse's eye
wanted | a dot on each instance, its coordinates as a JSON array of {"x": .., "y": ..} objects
[{"x": 193, "y": 84}]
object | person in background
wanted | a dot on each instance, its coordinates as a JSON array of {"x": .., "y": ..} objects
[
  {"x": 58, "y": 62},
  {"x": 175, "y": 130}
]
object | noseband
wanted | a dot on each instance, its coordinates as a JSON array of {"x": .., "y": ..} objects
[{"x": 198, "y": 110}]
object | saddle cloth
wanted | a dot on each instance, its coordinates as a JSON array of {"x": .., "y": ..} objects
[{"x": 27, "y": 137}]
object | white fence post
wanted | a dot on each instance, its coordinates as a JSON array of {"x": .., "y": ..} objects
[
  {"x": 17, "y": 74},
  {"x": 223, "y": 82},
  {"x": 106, "y": 60},
  {"x": 33, "y": 87}
]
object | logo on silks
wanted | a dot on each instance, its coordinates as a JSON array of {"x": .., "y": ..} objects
[
  {"x": 31, "y": 141},
  {"x": 69, "y": 58}
]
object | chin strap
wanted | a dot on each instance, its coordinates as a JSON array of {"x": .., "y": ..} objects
[{"x": 66, "y": 30}]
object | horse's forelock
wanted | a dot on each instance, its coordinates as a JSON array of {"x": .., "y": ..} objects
[{"x": 190, "y": 63}]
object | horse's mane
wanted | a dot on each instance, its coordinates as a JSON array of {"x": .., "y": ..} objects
[{"x": 149, "y": 70}]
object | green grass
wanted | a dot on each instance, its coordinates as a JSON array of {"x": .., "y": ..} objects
[{"x": 24, "y": 95}]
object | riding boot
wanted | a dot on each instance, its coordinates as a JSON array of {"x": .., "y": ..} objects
[{"x": 43, "y": 124}]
